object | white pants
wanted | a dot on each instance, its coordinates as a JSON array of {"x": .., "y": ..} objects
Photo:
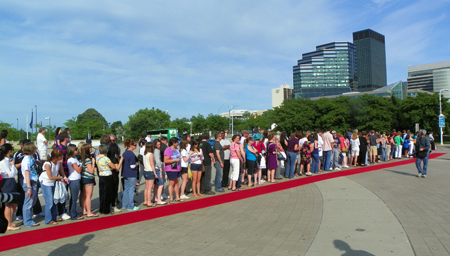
[
  {"x": 398, "y": 151},
  {"x": 43, "y": 154},
  {"x": 234, "y": 172}
]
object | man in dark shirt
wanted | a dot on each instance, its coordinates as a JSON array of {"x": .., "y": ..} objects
[
  {"x": 422, "y": 150},
  {"x": 219, "y": 162},
  {"x": 373, "y": 146},
  {"x": 114, "y": 156},
  {"x": 208, "y": 154}
]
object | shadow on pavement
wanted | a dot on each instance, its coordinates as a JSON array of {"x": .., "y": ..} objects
[
  {"x": 403, "y": 173},
  {"x": 343, "y": 246},
  {"x": 77, "y": 249}
]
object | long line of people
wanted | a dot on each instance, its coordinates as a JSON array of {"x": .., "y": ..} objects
[{"x": 246, "y": 160}]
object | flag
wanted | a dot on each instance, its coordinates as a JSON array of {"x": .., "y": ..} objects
[{"x": 31, "y": 123}]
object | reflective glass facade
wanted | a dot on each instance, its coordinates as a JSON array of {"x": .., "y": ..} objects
[
  {"x": 430, "y": 77},
  {"x": 330, "y": 70},
  {"x": 371, "y": 60}
]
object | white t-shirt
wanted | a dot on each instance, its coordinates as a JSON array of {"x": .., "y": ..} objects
[
  {"x": 44, "y": 177},
  {"x": 73, "y": 175},
  {"x": 147, "y": 166},
  {"x": 142, "y": 150},
  {"x": 226, "y": 152},
  {"x": 320, "y": 145},
  {"x": 184, "y": 153},
  {"x": 355, "y": 144},
  {"x": 301, "y": 141},
  {"x": 40, "y": 142},
  {"x": 6, "y": 169}
]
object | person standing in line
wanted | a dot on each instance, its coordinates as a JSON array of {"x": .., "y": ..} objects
[
  {"x": 42, "y": 143},
  {"x": 184, "y": 167},
  {"x": 373, "y": 146},
  {"x": 243, "y": 169},
  {"x": 336, "y": 151},
  {"x": 219, "y": 155},
  {"x": 129, "y": 173},
  {"x": 327, "y": 149},
  {"x": 272, "y": 162},
  {"x": 172, "y": 159},
  {"x": 362, "y": 149},
  {"x": 235, "y": 158},
  {"x": 250, "y": 152},
  {"x": 75, "y": 169},
  {"x": 159, "y": 181},
  {"x": 423, "y": 146},
  {"x": 87, "y": 180},
  {"x": 399, "y": 145},
  {"x": 114, "y": 156},
  {"x": 226, "y": 159},
  {"x": 292, "y": 154},
  {"x": 208, "y": 153},
  {"x": 355, "y": 149},
  {"x": 196, "y": 158},
  {"x": 28, "y": 169},
  {"x": 105, "y": 172},
  {"x": 8, "y": 183},
  {"x": 64, "y": 141},
  {"x": 149, "y": 174},
  {"x": 163, "y": 141}
]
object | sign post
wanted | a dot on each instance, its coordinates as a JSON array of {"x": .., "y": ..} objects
[{"x": 441, "y": 124}]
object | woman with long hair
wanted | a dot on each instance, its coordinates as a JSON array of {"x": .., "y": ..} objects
[
  {"x": 250, "y": 156},
  {"x": 149, "y": 174},
  {"x": 53, "y": 171},
  {"x": 272, "y": 162},
  {"x": 57, "y": 132},
  {"x": 184, "y": 147},
  {"x": 172, "y": 159},
  {"x": 8, "y": 185},
  {"x": 196, "y": 156},
  {"x": 74, "y": 180},
  {"x": 87, "y": 180},
  {"x": 159, "y": 181},
  {"x": 3, "y": 136},
  {"x": 307, "y": 149}
]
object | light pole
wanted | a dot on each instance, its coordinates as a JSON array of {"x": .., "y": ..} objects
[
  {"x": 49, "y": 127},
  {"x": 440, "y": 113},
  {"x": 18, "y": 133},
  {"x": 35, "y": 122},
  {"x": 229, "y": 115}
]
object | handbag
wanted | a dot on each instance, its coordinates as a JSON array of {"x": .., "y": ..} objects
[
  {"x": 421, "y": 154},
  {"x": 280, "y": 155},
  {"x": 173, "y": 165}
]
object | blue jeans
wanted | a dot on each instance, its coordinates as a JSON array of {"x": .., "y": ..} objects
[
  {"x": 425, "y": 164},
  {"x": 384, "y": 154},
  {"x": 327, "y": 160},
  {"x": 218, "y": 178},
  {"x": 74, "y": 192},
  {"x": 128, "y": 193},
  {"x": 290, "y": 164},
  {"x": 336, "y": 157},
  {"x": 366, "y": 157},
  {"x": 50, "y": 207},
  {"x": 315, "y": 163},
  {"x": 28, "y": 205}
]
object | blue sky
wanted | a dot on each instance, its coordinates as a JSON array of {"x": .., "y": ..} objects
[{"x": 188, "y": 57}]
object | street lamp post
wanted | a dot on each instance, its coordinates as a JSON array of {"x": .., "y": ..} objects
[
  {"x": 232, "y": 119},
  {"x": 440, "y": 113},
  {"x": 18, "y": 133},
  {"x": 49, "y": 127}
]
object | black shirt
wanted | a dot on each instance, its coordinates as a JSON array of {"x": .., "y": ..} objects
[{"x": 207, "y": 149}]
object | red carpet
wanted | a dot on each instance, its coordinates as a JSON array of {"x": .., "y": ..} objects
[{"x": 8, "y": 242}]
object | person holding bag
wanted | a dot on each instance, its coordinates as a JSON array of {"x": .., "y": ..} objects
[
  {"x": 172, "y": 159},
  {"x": 8, "y": 184}
]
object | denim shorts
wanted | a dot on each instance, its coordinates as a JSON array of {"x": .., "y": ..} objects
[
  {"x": 159, "y": 181},
  {"x": 173, "y": 175},
  {"x": 87, "y": 182},
  {"x": 149, "y": 175},
  {"x": 196, "y": 168}
]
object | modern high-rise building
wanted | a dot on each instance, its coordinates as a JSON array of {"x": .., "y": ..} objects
[
  {"x": 370, "y": 59},
  {"x": 430, "y": 77},
  {"x": 281, "y": 94},
  {"x": 330, "y": 70}
]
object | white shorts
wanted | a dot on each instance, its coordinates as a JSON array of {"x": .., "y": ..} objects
[
  {"x": 43, "y": 154},
  {"x": 355, "y": 152},
  {"x": 234, "y": 172}
]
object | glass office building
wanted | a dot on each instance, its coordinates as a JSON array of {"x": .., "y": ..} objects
[
  {"x": 330, "y": 70},
  {"x": 371, "y": 60},
  {"x": 430, "y": 77}
]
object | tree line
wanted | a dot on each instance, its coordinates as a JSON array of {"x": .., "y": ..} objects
[{"x": 363, "y": 113}]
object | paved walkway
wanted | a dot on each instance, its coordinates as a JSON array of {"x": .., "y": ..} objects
[{"x": 385, "y": 212}]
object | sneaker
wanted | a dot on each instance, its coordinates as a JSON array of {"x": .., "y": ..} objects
[
  {"x": 346, "y": 166},
  {"x": 184, "y": 197},
  {"x": 424, "y": 176},
  {"x": 34, "y": 216},
  {"x": 19, "y": 218},
  {"x": 116, "y": 209},
  {"x": 134, "y": 209},
  {"x": 337, "y": 169},
  {"x": 41, "y": 215},
  {"x": 65, "y": 216},
  {"x": 420, "y": 175}
]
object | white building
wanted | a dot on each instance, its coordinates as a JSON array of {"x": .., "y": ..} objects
[{"x": 281, "y": 94}]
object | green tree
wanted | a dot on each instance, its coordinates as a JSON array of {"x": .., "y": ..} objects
[
  {"x": 146, "y": 119},
  {"x": 115, "y": 125},
  {"x": 199, "y": 124},
  {"x": 181, "y": 125},
  {"x": 89, "y": 121},
  {"x": 295, "y": 114},
  {"x": 216, "y": 123}
]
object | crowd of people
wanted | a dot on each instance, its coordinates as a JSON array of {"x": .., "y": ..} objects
[{"x": 172, "y": 168}]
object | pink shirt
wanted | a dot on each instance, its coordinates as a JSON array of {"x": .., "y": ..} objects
[{"x": 234, "y": 148}]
